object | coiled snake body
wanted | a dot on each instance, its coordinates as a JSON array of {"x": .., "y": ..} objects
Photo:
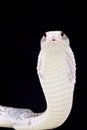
[{"x": 56, "y": 71}]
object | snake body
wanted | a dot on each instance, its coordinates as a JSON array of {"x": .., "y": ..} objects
[{"x": 56, "y": 69}]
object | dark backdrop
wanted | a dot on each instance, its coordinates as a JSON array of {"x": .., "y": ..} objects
[{"x": 21, "y": 27}]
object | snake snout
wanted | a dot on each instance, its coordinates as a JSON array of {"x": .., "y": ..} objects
[{"x": 53, "y": 39}]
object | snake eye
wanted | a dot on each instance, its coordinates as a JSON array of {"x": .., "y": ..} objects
[
  {"x": 64, "y": 38},
  {"x": 45, "y": 35},
  {"x": 62, "y": 34}
]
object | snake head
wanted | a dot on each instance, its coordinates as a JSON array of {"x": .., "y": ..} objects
[{"x": 54, "y": 37}]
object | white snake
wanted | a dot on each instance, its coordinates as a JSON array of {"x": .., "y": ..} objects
[{"x": 56, "y": 69}]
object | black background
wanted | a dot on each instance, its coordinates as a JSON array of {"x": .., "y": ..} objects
[{"x": 21, "y": 27}]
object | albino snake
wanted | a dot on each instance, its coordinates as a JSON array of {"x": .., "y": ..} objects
[{"x": 56, "y": 69}]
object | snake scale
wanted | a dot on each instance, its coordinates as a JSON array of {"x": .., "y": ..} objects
[{"x": 56, "y": 69}]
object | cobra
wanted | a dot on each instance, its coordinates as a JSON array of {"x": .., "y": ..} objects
[{"x": 56, "y": 69}]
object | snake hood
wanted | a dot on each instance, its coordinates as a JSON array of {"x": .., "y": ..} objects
[{"x": 57, "y": 42}]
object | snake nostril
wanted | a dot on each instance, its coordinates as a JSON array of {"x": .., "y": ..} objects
[{"x": 53, "y": 39}]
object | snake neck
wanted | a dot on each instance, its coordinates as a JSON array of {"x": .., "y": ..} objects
[{"x": 58, "y": 91}]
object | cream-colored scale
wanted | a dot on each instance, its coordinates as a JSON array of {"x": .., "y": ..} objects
[{"x": 56, "y": 70}]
